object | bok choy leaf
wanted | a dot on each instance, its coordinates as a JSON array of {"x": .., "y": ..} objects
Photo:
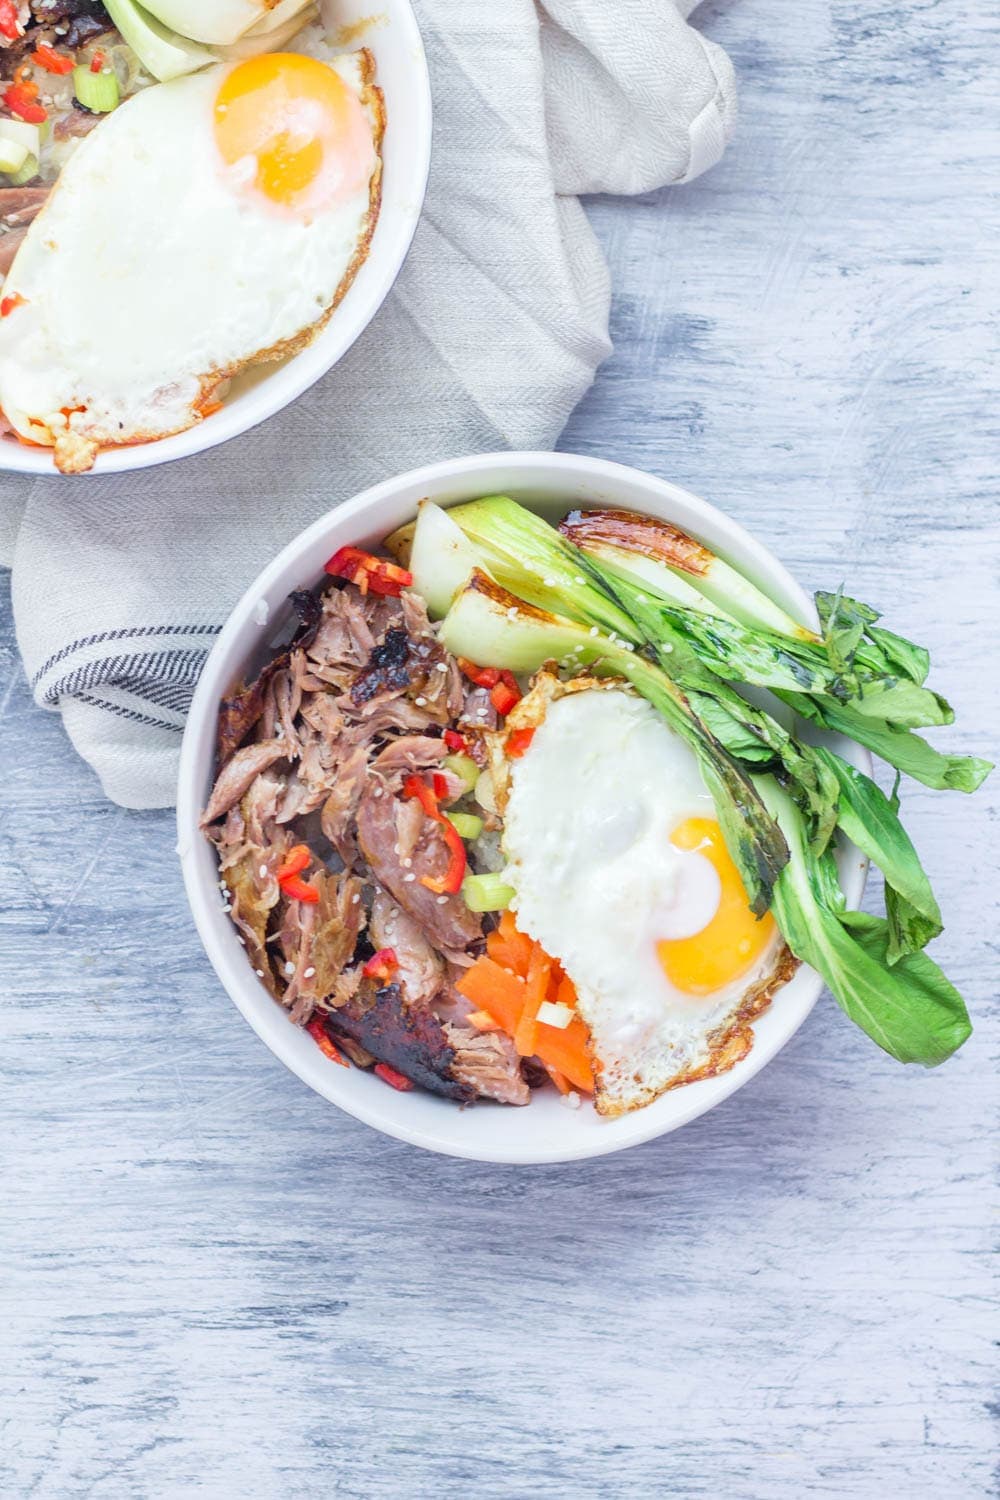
[{"x": 909, "y": 1008}]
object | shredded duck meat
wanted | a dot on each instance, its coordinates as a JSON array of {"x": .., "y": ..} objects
[{"x": 315, "y": 750}]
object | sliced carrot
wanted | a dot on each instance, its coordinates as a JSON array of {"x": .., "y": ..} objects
[
  {"x": 561, "y": 1083},
  {"x": 483, "y": 1021},
  {"x": 566, "y": 1050},
  {"x": 501, "y": 993},
  {"x": 566, "y": 992},
  {"x": 509, "y": 947},
  {"x": 537, "y": 986},
  {"x": 495, "y": 990}
]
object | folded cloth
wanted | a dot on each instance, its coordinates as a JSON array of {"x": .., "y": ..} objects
[{"x": 493, "y": 332}]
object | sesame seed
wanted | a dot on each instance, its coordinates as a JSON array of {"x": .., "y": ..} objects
[
  {"x": 668, "y": 648},
  {"x": 289, "y": 967},
  {"x": 355, "y": 899},
  {"x": 308, "y": 973},
  {"x": 442, "y": 901},
  {"x": 420, "y": 702},
  {"x": 642, "y": 598},
  {"x": 442, "y": 666},
  {"x": 263, "y": 872},
  {"x": 512, "y": 612},
  {"x": 579, "y": 578},
  {"x": 259, "y": 973},
  {"x": 409, "y": 877},
  {"x": 407, "y": 863},
  {"x": 594, "y": 630}
]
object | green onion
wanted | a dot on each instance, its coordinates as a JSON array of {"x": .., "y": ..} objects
[
  {"x": 97, "y": 92},
  {"x": 464, "y": 767},
  {"x": 486, "y": 893},
  {"x": 26, "y": 172},
  {"x": 13, "y": 155},
  {"x": 467, "y": 825},
  {"x": 908, "y": 1006}
]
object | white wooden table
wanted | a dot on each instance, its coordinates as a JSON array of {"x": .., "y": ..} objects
[{"x": 216, "y": 1285}]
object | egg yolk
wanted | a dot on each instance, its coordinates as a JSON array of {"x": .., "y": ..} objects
[
  {"x": 733, "y": 940},
  {"x": 296, "y": 125}
]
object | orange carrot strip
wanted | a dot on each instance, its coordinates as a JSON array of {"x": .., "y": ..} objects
[
  {"x": 501, "y": 994},
  {"x": 566, "y": 992},
  {"x": 495, "y": 990},
  {"x": 483, "y": 1021},
  {"x": 561, "y": 1083},
  {"x": 539, "y": 970}
]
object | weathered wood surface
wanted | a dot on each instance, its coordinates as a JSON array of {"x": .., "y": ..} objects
[{"x": 216, "y": 1285}]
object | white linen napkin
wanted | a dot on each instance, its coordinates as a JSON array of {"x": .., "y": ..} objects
[{"x": 492, "y": 334}]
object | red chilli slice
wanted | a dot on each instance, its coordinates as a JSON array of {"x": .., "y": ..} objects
[
  {"x": 518, "y": 741},
  {"x": 382, "y": 965},
  {"x": 368, "y": 572},
  {"x": 393, "y": 1078},
  {"x": 52, "y": 61}
]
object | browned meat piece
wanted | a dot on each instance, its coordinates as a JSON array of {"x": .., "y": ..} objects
[
  {"x": 449, "y": 1005},
  {"x": 478, "y": 711},
  {"x": 402, "y": 757},
  {"x": 340, "y": 917},
  {"x": 237, "y": 775},
  {"x": 488, "y": 1063},
  {"x": 320, "y": 711},
  {"x": 10, "y": 244},
  {"x": 229, "y": 838},
  {"x": 19, "y": 205},
  {"x": 75, "y": 124},
  {"x": 447, "y": 921},
  {"x": 260, "y": 811},
  {"x": 240, "y": 712},
  {"x": 408, "y": 1038},
  {"x": 47, "y": 12},
  {"x": 421, "y": 970},
  {"x": 409, "y": 817},
  {"x": 295, "y": 940},
  {"x": 394, "y": 711},
  {"x": 415, "y": 617},
  {"x": 344, "y": 641},
  {"x": 386, "y": 669},
  {"x": 340, "y": 808},
  {"x": 254, "y": 892},
  {"x": 318, "y": 940},
  {"x": 282, "y": 701}
]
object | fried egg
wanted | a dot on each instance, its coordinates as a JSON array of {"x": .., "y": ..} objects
[
  {"x": 621, "y": 873},
  {"x": 208, "y": 223}
]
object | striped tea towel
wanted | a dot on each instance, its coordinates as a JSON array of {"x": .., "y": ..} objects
[{"x": 492, "y": 334}]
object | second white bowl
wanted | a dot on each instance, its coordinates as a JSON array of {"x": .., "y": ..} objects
[{"x": 401, "y": 72}]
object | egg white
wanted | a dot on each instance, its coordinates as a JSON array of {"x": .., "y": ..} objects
[
  {"x": 589, "y": 814},
  {"x": 148, "y": 278}
]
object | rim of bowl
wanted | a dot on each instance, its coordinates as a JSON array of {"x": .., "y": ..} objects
[
  {"x": 232, "y": 968},
  {"x": 278, "y": 388}
]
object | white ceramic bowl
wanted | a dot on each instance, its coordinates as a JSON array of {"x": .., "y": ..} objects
[
  {"x": 401, "y": 72},
  {"x": 545, "y": 1130}
]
